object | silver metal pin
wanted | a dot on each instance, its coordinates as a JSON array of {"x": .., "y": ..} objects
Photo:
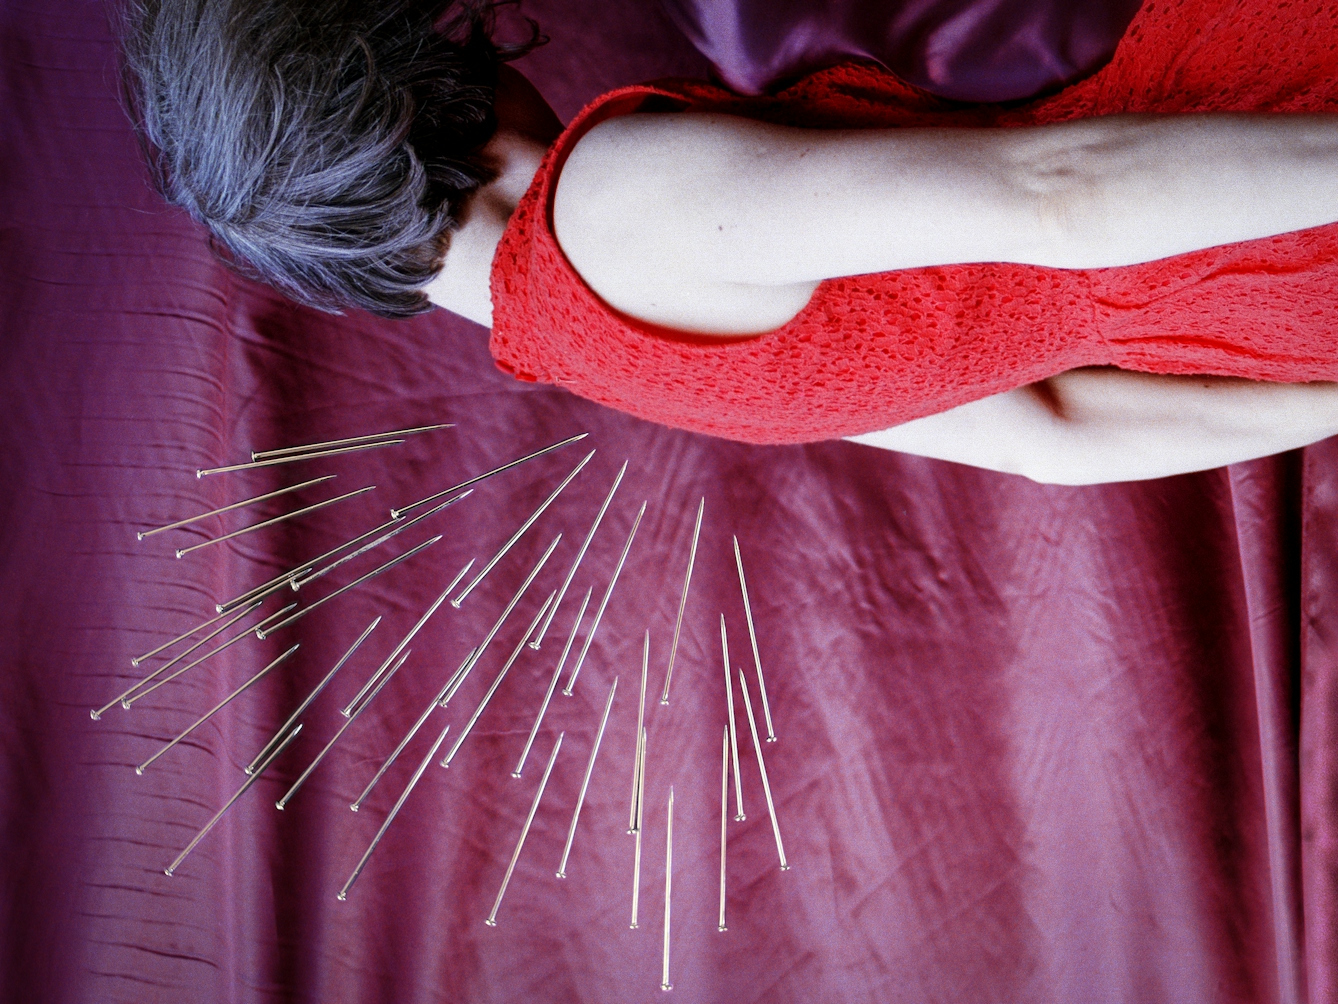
[
  {"x": 668, "y": 888},
  {"x": 283, "y": 729},
  {"x": 301, "y": 580},
  {"x": 724, "y": 816},
  {"x": 375, "y": 436},
  {"x": 399, "y": 802},
  {"x": 236, "y": 505},
  {"x": 552, "y": 684},
  {"x": 128, "y": 702},
  {"x": 603, "y": 603},
  {"x": 585, "y": 781},
  {"x": 283, "y": 802},
  {"x": 293, "y": 459},
  {"x": 404, "y": 642},
  {"x": 636, "y": 853},
  {"x": 397, "y": 513},
  {"x": 97, "y": 713},
  {"x": 497, "y": 682},
  {"x": 634, "y": 813},
  {"x": 215, "y": 709},
  {"x": 262, "y": 634},
  {"x": 501, "y": 553},
  {"x": 181, "y": 637},
  {"x": 762, "y": 768},
  {"x": 683, "y": 601},
  {"x": 228, "y": 804},
  {"x": 585, "y": 545},
  {"x": 524, "y": 832},
  {"x": 355, "y": 806},
  {"x": 265, "y": 589},
  {"x": 497, "y": 625},
  {"x": 733, "y": 731},
  {"x": 303, "y": 571},
  {"x": 752, "y": 637},
  {"x": 182, "y": 551}
]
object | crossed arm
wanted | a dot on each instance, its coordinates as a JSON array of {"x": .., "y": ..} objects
[{"x": 725, "y": 226}]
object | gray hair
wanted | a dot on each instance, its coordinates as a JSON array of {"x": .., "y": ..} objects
[{"x": 328, "y": 145}]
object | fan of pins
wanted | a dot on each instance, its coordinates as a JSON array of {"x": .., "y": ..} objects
[{"x": 242, "y": 607}]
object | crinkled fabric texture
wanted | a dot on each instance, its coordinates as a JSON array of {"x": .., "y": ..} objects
[{"x": 870, "y": 352}]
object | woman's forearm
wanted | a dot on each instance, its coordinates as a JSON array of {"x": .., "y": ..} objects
[
  {"x": 1092, "y": 426},
  {"x": 718, "y": 224},
  {"x": 1133, "y": 188}
]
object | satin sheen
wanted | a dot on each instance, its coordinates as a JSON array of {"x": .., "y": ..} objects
[
  {"x": 966, "y": 50},
  {"x": 1036, "y": 744}
]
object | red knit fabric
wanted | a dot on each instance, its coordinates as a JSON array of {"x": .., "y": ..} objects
[{"x": 869, "y": 352}]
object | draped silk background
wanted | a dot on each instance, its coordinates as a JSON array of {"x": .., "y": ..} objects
[{"x": 1036, "y": 743}]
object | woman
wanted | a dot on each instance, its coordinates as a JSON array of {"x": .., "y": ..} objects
[{"x": 352, "y": 159}]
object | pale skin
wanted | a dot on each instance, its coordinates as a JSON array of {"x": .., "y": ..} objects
[{"x": 725, "y": 226}]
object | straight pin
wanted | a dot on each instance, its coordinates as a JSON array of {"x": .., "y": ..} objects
[
  {"x": 181, "y": 637},
  {"x": 128, "y": 702},
  {"x": 227, "y": 805},
  {"x": 236, "y": 505},
  {"x": 497, "y": 626},
  {"x": 497, "y": 682},
  {"x": 683, "y": 600},
  {"x": 668, "y": 888},
  {"x": 599, "y": 614},
  {"x": 297, "y": 582},
  {"x": 97, "y": 713},
  {"x": 634, "y": 812},
  {"x": 636, "y": 854},
  {"x": 265, "y": 589},
  {"x": 524, "y": 832},
  {"x": 752, "y": 636},
  {"x": 404, "y": 642},
  {"x": 283, "y": 802},
  {"x": 501, "y": 553},
  {"x": 292, "y": 574},
  {"x": 724, "y": 816},
  {"x": 262, "y": 634},
  {"x": 397, "y": 513},
  {"x": 733, "y": 731},
  {"x": 288, "y": 460},
  {"x": 585, "y": 782},
  {"x": 215, "y": 709},
  {"x": 762, "y": 768},
  {"x": 552, "y": 684},
  {"x": 310, "y": 447},
  {"x": 342, "y": 895},
  {"x": 182, "y": 551},
  {"x": 283, "y": 729},
  {"x": 585, "y": 544},
  {"x": 279, "y": 581},
  {"x": 403, "y": 743}
]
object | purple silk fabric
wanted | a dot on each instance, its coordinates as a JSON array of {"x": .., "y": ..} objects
[
  {"x": 968, "y": 50},
  {"x": 1035, "y": 744}
]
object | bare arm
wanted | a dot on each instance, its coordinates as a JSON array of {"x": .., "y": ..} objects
[
  {"x": 723, "y": 225},
  {"x": 1091, "y": 426}
]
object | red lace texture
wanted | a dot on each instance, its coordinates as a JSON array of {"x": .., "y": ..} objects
[{"x": 872, "y": 351}]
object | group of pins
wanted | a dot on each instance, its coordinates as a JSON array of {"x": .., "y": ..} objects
[{"x": 241, "y": 607}]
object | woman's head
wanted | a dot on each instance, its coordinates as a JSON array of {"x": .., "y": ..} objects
[{"x": 326, "y": 144}]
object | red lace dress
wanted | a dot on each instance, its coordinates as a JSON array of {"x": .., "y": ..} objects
[{"x": 871, "y": 351}]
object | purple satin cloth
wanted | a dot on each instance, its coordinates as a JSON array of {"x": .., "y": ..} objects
[
  {"x": 1035, "y": 744},
  {"x": 967, "y": 50}
]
